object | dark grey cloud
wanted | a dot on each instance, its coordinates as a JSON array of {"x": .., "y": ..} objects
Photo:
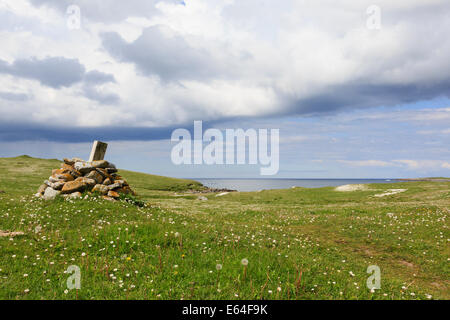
[
  {"x": 357, "y": 95},
  {"x": 28, "y": 131},
  {"x": 32, "y": 132},
  {"x": 91, "y": 92},
  {"x": 168, "y": 56},
  {"x": 55, "y": 72},
  {"x": 94, "y": 78},
  {"x": 97, "y": 77}
]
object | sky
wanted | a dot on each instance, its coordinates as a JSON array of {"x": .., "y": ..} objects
[{"x": 357, "y": 89}]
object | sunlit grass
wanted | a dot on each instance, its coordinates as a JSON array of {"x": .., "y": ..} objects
[{"x": 280, "y": 244}]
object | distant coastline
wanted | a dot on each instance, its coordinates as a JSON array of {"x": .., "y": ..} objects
[{"x": 258, "y": 184}]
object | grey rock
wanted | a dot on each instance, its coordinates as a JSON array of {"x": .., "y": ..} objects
[
  {"x": 52, "y": 179},
  {"x": 102, "y": 164},
  {"x": 54, "y": 185},
  {"x": 50, "y": 194},
  {"x": 74, "y": 195},
  {"x": 116, "y": 184},
  {"x": 83, "y": 167}
]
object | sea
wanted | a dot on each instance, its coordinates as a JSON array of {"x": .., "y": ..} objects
[{"x": 267, "y": 184}]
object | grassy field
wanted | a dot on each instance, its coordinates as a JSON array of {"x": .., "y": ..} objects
[{"x": 299, "y": 243}]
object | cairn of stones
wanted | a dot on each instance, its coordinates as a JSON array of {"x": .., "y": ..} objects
[{"x": 77, "y": 176}]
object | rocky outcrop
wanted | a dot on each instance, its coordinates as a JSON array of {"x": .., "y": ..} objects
[{"x": 77, "y": 176}]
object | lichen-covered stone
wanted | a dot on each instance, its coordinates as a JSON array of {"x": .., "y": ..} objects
[
  {"x": 89, "y": 182},
  {"x": 74, "y": 186},
  {"x": 100, "y": 188},
  {"x": 113, "y": 194},
  {"x": 125, "y": 190},
  {"x": 69, "y": 162},
  {"x": 58, "y": 171},
  {"x": 71, "y": 170},
  {"x": 115, "y": 185},
  {"x": 104, "y": 173},
  {"x": 76, "y": 176},
  {"x": 64, "y": 177},
  {"x": 42, "y": 188},
  {"x": 102, "y": 164},
  {"x": 95, "y": 176}
]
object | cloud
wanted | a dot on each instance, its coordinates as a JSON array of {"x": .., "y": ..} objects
[
  {"x": 58, "y": 72},
  {"x": 55, "y": 72},
  {"x": 366, "y": 163},
  {"x": 313, "y": 67},
  {"x": 406, "y": 163},
  {"x": 93, "y": 93},
  {"x": 423, "y": 164},
  {"x": 91, "y": 90},
  {"x": 97, "y": 77},
  {"x": 13, "y": 96},
  {"x": 106, "y": 10},
  {"x": 159, "y": 51},
  {"x": 160, "y": 63},
  {"x": 59, "y": 133}
]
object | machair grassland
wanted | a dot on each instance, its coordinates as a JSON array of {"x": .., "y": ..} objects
[{"x": 299, "y": 243}]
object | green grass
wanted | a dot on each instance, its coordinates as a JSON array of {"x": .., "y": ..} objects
[{"x": 170, "y": 248}]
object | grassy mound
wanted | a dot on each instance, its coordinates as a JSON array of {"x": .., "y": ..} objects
[{"x": 299, "y": 243}]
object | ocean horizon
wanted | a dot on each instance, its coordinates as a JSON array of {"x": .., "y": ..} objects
[{"x": 256, "y": 184}]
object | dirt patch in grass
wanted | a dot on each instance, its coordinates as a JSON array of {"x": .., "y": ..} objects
[
  {"x": 440, "y": 286},
  {"x": 407, "y": 264},
  {"x": 351, "y": 187},
  {"x": 10, "y": 234},
  {"x": 390, "y": 192},
  {"x": 23, "y": 169}
]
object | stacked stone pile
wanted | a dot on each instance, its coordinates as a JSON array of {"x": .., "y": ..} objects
[{"x": 76, "y": 176}]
